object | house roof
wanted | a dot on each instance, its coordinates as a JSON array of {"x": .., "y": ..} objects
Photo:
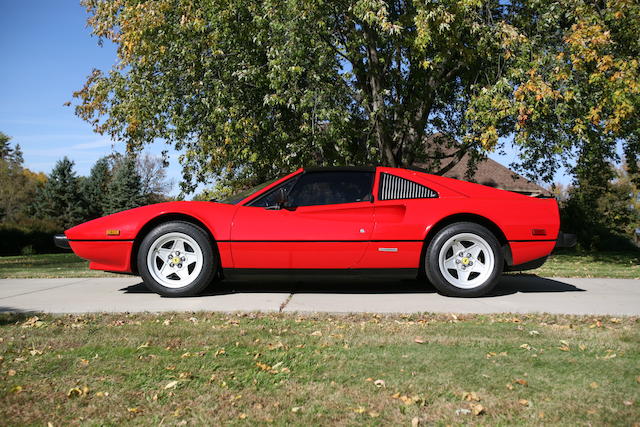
[{"x": 488, "y": 172}]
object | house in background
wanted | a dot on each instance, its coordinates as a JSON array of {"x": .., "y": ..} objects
[{"x": 488, "y": 172}]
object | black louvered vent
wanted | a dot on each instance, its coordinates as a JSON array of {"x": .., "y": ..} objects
[{"x": 393, "y": 187}]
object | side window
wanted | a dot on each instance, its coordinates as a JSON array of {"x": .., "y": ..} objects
[
  {"x": 394, "y": 188},
  {"x": 328, "y": 188},
  {"x": 270, "y": 198}
]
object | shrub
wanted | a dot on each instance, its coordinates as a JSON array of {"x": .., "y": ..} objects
[{"x": 28, "y": 237}]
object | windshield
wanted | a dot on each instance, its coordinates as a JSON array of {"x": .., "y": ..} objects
[{"x": 241, "y": 195}]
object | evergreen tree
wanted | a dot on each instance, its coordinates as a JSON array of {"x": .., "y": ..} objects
[
  {"x": 5, "y": 147},
  {"x": 95, "y": 188},
  {"x": 60, "y": 198},
  {"x": 125, "y": 188}
]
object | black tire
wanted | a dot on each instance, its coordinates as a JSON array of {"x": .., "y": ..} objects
[
  {"x": 439, "y": 278},
  {"x": 210, "y": 262}
]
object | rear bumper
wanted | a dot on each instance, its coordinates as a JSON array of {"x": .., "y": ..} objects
[
  {"x": 566, "y": 240},
  {"x": 61, "y": 241}
]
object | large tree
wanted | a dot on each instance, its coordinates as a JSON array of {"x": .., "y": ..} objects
[
  {"x": 248, "y": 88},
  {"x": 95, "y": 188},
  {"x": 60, "y": 199},
  {"x": 125, "y": 188},
  {"x": 18, "y": 186}
]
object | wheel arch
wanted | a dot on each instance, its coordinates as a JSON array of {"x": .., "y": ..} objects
[
  {"x": 161, "y": 219},
  {"x": 466, "y": 217}
]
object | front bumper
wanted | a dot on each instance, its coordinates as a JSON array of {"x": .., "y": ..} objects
[
  {"x": 566, "y": 240},
  {"x": 61, "y": 241}
]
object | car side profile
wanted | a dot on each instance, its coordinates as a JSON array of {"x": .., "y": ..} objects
[{"x": 459, "y": 235}]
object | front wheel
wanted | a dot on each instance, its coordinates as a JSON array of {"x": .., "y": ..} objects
[
  {"x": 176, "y": 259},
  {"x": 464, "y": 260}
]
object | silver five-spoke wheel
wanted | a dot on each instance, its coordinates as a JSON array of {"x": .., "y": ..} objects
[
  {"x": 175, "y": 260},
  {"x": 466, "y": 260}
]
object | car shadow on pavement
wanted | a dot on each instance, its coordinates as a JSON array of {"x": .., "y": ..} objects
[{"x": 509, "y": 284}]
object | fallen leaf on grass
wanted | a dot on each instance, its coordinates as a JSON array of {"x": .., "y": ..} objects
[
  {"x": 470, "y": 396},
  {"x": 17, "y": 389},
  {"x": 296, "y": 409},
  {"x": 77, "y": 392},
  {"x": 33, "y": 322},
  {"x": 526, "y": 346},
  {"x": 359, "y": 410},
  {"x": 408, "y": 400},
  {"x": 415, "y": 422},
  {"x": 374, "y": 414},
  {"x": 134, "y": 410},
  {"x": 594, "y": 385},
  {"x": 522, "y": 382},
  {"x": 419, "y": 340},
  {"x": 171, "y": 384},
  {"x": 242, "y": 416},
  {"x": 523, "y": 402},
  {"x": 275, "y": 346},
  {"x": 477, "y": 409},
  {"x": 462, "y": 411},
  {"x": 379, "y": 383},
  {"x": 316, "y": 334},
  {"x": 12, "y": 372},
  {"x": 627, "y": 402}
]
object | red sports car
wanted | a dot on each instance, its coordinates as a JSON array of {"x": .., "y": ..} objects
[{"x": 460, "y": 235}]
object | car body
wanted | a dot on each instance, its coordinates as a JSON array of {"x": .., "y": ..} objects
[{"x": 374, "y": 219}]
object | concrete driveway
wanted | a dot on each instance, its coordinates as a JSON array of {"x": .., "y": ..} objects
[{"x": 517, "y": 294}]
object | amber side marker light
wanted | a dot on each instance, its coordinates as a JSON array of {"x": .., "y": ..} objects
[
  {"x": 538, "y": 232},
  {"x": 113, "y": 232}
]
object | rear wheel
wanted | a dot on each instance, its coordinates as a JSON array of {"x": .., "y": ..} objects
[
  {"x": 176, "y": 259},
  {"x": 464, "y": 260}
]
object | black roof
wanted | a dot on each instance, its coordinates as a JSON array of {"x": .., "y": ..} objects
[{"x": 341, "y": 169}]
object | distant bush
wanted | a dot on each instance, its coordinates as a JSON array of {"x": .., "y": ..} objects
[{"x": 30, "y": 236}]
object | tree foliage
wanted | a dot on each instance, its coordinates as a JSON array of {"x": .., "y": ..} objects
[
  {"x": 60, "y": 199},
  {"x": 18, "y": 185},
  {"x": 603, "y": 214},
  {"x": 95, "y": 188},
  {"x": 253, "y": 87},
  {"x": 125, "y": 188}
]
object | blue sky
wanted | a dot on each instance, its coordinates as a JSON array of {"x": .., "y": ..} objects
[{"x": 47, "y": 53}]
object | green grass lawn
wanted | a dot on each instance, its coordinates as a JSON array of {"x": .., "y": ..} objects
[
  {"x": 562, "y": 264},
  {"x": 623, "y": 265},
  {"x": 47, "y": 266},
  {"x": 204, "y": 369}
]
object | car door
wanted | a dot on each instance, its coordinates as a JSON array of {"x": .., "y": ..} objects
[
  {"x": 403, "y": 214},
  {"x": 326, "y": 223}
]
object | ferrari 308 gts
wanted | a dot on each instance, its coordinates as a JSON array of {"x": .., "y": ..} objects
[{"x": 459, "y": 235}]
